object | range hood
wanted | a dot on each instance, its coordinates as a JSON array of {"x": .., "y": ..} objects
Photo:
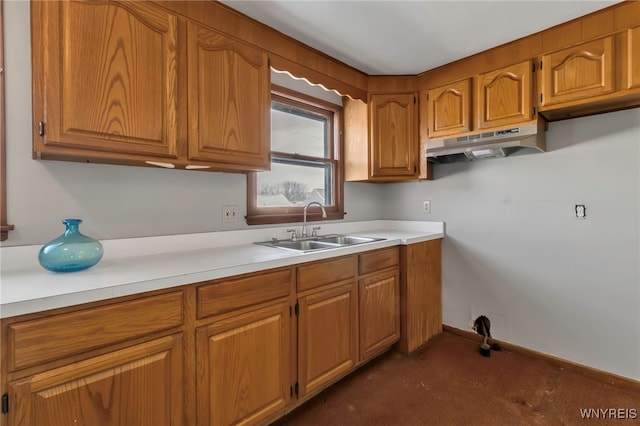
[{"x": 488, "y": 144}]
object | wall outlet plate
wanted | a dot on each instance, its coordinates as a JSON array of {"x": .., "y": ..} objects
[
  {"x": 426, "y": 206},
  {"x": 229, "y": 213},
  {"x": 581, "y": 211}
]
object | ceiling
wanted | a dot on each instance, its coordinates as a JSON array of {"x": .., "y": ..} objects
[{"x": 409, "y": 37}]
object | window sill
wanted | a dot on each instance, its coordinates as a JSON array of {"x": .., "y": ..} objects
[{"x": 265, "y": 219}]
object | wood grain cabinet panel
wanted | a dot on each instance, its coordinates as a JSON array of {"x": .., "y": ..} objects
[
  {"x": 394, "y": 135},
  {"x": 503, "y": 96},
  {"x": 378, "y": 259},
  {"x": 227, "y": 295},
  {"x": 577, "y": 73},
  {"x": 450, "y": 109},
  {"x": 327, "y": 340},
  {"x": 243, "y": 367},
  {"x": 58, "y": 336},
  {"x": 138, "y": 386},
  {"x": 105, "y": 78},
  {"x": 229, "y": 100},
  {"x": 633, "y": 58},
  {"x": 317, "y": 274},
  {"x": 420, "y": 294},
  {"x": 379, "y": 303},
  {"x": 381, "y": 138}
]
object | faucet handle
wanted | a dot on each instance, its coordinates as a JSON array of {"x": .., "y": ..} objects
[
  {"x": 314, "y": 232},
  {"x": 294, "y": 236}
]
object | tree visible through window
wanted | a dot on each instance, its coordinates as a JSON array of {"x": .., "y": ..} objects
[{"x": 305, "y": 166}]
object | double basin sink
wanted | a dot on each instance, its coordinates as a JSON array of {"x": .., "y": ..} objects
[{"x": 324, "y": 242}]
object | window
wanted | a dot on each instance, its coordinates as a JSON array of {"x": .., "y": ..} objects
[{"x": 305, "y": 162}]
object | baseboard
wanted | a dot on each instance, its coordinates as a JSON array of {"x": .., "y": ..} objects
[{"x": 604, "y": 376}]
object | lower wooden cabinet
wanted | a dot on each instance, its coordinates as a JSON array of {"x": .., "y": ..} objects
[
  {"x": 243, "y": 367},
  {"x": 327, "y": 340},
  {"x": 379, "y": 297},
  {"x": 238, "y": 350},
  {"x": 420, "y": 294},
  {"x": 141, "y": 385}
]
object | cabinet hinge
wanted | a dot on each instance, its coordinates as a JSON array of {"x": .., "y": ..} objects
[
  {"x": 291, "y": 391},
  {"x": 5, "y": 403},
  {"x": 540, "y": 97},
  {"x": 533, "y": 111},
  {"x": 533, "y": 67},
  {"x": 297, "y": 389},
  {"x": 414, "y": 100},
  {"x": 540, "y": 64},
  {"x": 41, "y": 128},
  {"x": 297, "y": 309}
]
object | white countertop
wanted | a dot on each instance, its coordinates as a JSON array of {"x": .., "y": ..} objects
[{"x": 136, "y": 265}]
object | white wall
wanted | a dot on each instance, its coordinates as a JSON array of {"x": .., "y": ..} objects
[
  {"x": 117, "y": 201},
  {"x": 516, "y": 252}
]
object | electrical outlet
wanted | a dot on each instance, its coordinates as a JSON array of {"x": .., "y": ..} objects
[
  {"x": 426, "y": 206},
  {"x": 229, "y": 213},
  {"x": 581, "y": 211}
]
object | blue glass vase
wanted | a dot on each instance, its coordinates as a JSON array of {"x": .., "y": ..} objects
[{"x": 71, "y": 251}]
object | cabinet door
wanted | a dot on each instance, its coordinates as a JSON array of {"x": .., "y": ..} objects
[
  {"x": 243, "y": 365},
  {"x": 503, "y": 96},
  {"x": 394, "y": 135},
  {"x": 327, "y": 340},
  {"x": 105, "y": 77},
  {"x": 379, "y": 296},
  {"x": 577, "y": 73},
  {"x": 229, "y": 101},
  {"x": 450, "y": 109},
  {"x": 137, "y": 386}
]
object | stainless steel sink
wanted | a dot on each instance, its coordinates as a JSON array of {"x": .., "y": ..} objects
[
  {"x": 303, "y": 245},
  {"x": 324, "y": 242},
  {"x": 347, "y": 240}
]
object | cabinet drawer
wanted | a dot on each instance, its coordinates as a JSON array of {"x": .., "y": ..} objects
[
  {"x": 324, "y": 272},
  {"x": 377, "y": 260},
  {"x": 228, "y": 295},
  {"x": 46, "y": 339}
]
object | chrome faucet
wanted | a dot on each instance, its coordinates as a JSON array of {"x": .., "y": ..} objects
[{"x": 304, "y": 223}]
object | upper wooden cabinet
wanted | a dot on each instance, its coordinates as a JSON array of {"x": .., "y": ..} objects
[
  {"x": 576, "y": 73},
  {"x": 596, "y": 76},
  {"x": 381, "y": 138},
  {"x": 229, "y": 100},
  {"x": 632, "y": 54},
  {"x": 450, "y": 109},
  {"x": 105, "y": 78},
  {"x": 493, "y": 99},
  {"x": 127, "y": 83},
  {"x": 503, "y": 96},
  {"x": 394, "y": 135}
]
